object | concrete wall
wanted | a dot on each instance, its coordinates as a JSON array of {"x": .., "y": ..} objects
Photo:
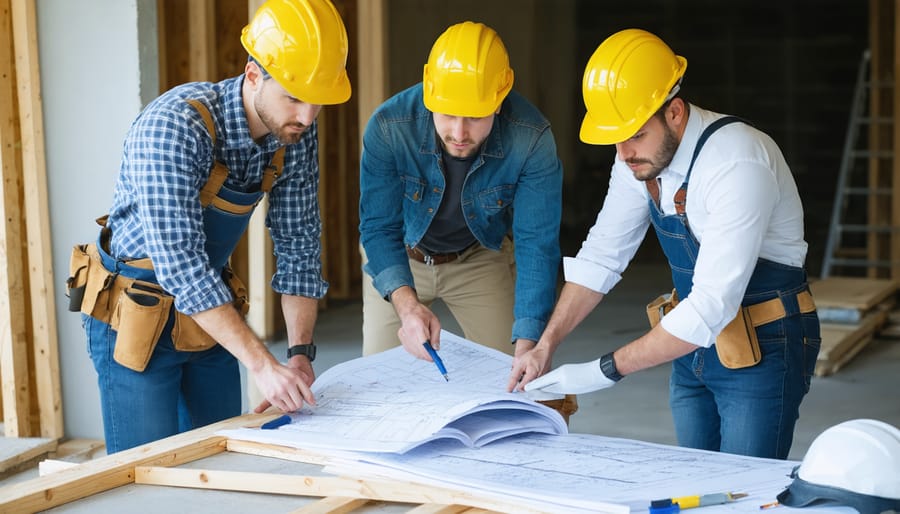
[{"x": 91, "y": 80}]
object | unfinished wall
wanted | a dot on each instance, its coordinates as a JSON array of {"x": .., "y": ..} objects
[{"x": 92, "y": 82}]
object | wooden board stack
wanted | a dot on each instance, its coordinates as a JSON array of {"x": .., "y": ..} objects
[{"x": 852, "y": 311}]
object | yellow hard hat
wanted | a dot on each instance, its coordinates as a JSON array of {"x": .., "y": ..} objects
[
  {"x": 629, "y": 77},
  {"x": 303, "y": 45},
  {"x": 467, "y": 73}
]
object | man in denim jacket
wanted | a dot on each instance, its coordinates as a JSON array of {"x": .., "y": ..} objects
[{"x": 461, "y": 192}]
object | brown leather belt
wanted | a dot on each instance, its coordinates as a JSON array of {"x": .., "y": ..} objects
[
  {"x": 771, "y": 310},
  {"x": 433, "y": 259}
]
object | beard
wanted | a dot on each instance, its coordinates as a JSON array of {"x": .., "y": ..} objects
[
  {"x": 286, "y": 134},
  {"x": 661, "y": 160}
]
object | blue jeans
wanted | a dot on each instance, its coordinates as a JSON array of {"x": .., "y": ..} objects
[
  {"x": 176, "y": 392},
  {"x": 749, "y": 411}
]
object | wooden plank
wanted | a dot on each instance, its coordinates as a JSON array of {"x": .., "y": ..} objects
[
  {"x": 114, "y": 470},
  {"x": 852, "y": 292},
  {"x": 332, "y": 505},
  {"x": 19, "y": 452},
  {"x": 44, "y": 335},
  {"x": 201, "y": 40},
  {"x": 14, "y": 373},
  {"x": 433, "y": 508},
  {"x": 304, "y": 485}
]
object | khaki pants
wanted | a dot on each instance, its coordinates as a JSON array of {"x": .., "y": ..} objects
[{"x": 478, "y": 288}]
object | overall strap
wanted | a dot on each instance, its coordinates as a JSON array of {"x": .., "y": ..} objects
[
  {"x": 681, "y": 195},
  {"x": 219, "y": 172},
  {"x": 273, "y": 170}
]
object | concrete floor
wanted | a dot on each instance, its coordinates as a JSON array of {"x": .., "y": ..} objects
[{"x": 637, "y": 408}]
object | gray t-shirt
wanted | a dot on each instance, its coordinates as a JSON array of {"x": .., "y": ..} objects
[{"x": 448, "y": 231}]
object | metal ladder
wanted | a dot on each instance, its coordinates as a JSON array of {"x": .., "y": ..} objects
[{"x": 850, "y": 231}]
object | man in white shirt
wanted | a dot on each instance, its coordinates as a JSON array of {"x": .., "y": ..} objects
[{"x": 734, "y": 242}]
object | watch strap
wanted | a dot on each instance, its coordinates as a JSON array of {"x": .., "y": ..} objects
[
  {"x": 309, "y": 350},
  {"x": 608, "y": 367}
]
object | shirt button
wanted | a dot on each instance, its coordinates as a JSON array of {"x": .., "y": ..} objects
[
  {"x": 499, "y": 203},
  {"x": 436, "y": 190},
  {"x": 430, "y": 209}
]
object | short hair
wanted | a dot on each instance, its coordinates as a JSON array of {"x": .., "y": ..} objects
[{"x": 265, "y": 74}]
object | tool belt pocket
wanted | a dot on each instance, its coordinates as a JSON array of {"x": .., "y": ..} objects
[
  {"x": 79, "y": 265},
  {"x": 660, "y": 307},
  {"x": 140, "y": 315},
  {"x": 737, "y": 344},
  {"x": 188, "y": 336}
]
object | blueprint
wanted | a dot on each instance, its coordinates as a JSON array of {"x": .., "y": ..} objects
[
  {"x": 391, "y": 402},
  {"x": 585, "y": 473}
]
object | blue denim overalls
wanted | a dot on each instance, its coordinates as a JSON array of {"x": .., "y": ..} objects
[
  {"x": 178, "y": 390},
  {"x": 748, "y": 411}
]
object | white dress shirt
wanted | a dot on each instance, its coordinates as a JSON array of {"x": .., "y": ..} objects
[{"x": 742, "y": 204}]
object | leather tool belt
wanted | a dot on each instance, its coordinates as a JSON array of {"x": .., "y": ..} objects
[
  {"x": 136, "y": 309},
  {"x": 737, "y": 345},
  {"x": 432, "y": 259}
]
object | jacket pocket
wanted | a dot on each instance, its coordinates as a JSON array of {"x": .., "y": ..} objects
[
  {"x": 413, "y": 189},
  {"x": 139, "y": 318},
  {"x": 497, "y": 198}
]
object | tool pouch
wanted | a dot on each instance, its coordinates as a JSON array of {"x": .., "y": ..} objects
[
  {"x": 79, "y": 264},
  {"x": 660, "y": 307},
  {"x": 140, "y": 315},
  {"x": 188, "y": 336},
  {"x": 737, "y": 344}
]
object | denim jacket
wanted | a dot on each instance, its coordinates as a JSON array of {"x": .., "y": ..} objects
[{"x": 514, "y": 187}]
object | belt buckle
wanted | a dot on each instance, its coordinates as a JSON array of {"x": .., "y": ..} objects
[{"x": 428, "y": 260}]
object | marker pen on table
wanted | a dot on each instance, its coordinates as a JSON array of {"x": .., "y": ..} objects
[
  {"x": 275, "y": 423},
  {"x": 673, "y": 505},
  {"x": 437, "y": 360}
]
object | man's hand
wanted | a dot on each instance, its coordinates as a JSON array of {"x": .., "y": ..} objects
[
  {"x": 572, "y": 379},
  {"x": 530, "y": 361},
  {"x": 417, "y": 323},
  {"x": 285, "y": 387}
]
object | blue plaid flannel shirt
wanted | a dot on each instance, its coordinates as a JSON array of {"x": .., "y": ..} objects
[{"x": 166, "y": 160}]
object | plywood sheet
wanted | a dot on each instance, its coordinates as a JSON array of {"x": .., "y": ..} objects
[{"x": 852, "y": 292}]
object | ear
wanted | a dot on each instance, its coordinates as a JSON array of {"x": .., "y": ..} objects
[
  {"x": 676, "y": 111},
  {"x": 252, "y": 74}
]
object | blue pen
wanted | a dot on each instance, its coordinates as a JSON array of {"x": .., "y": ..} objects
[
  {"x": 275, "y": 423},
  {"x": 437, "y": 360}
]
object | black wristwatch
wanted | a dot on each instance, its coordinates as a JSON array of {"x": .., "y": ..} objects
[
  {"x": 608, "y": 367},
  {"x": 303, "y": 349}
]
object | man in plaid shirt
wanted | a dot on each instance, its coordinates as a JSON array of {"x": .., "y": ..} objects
[{"x": 174, "y": 213}]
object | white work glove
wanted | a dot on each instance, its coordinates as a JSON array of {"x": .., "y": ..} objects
[{"x": 572, "y": 379}]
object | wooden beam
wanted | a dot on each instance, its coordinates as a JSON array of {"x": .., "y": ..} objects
[
  {"x": 332, "y": 505},
  {"x": 14, "y": 374},
  {"x": 372, "y": 61},
  {"x": 321, "y": 486},
  {"x": 201, "y": 40},
  {"x": 44, "y": 335},
  {"x": 114, "y": 470}
]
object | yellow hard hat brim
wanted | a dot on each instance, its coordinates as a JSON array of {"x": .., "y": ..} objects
[{"x": 594, "y": 133}]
